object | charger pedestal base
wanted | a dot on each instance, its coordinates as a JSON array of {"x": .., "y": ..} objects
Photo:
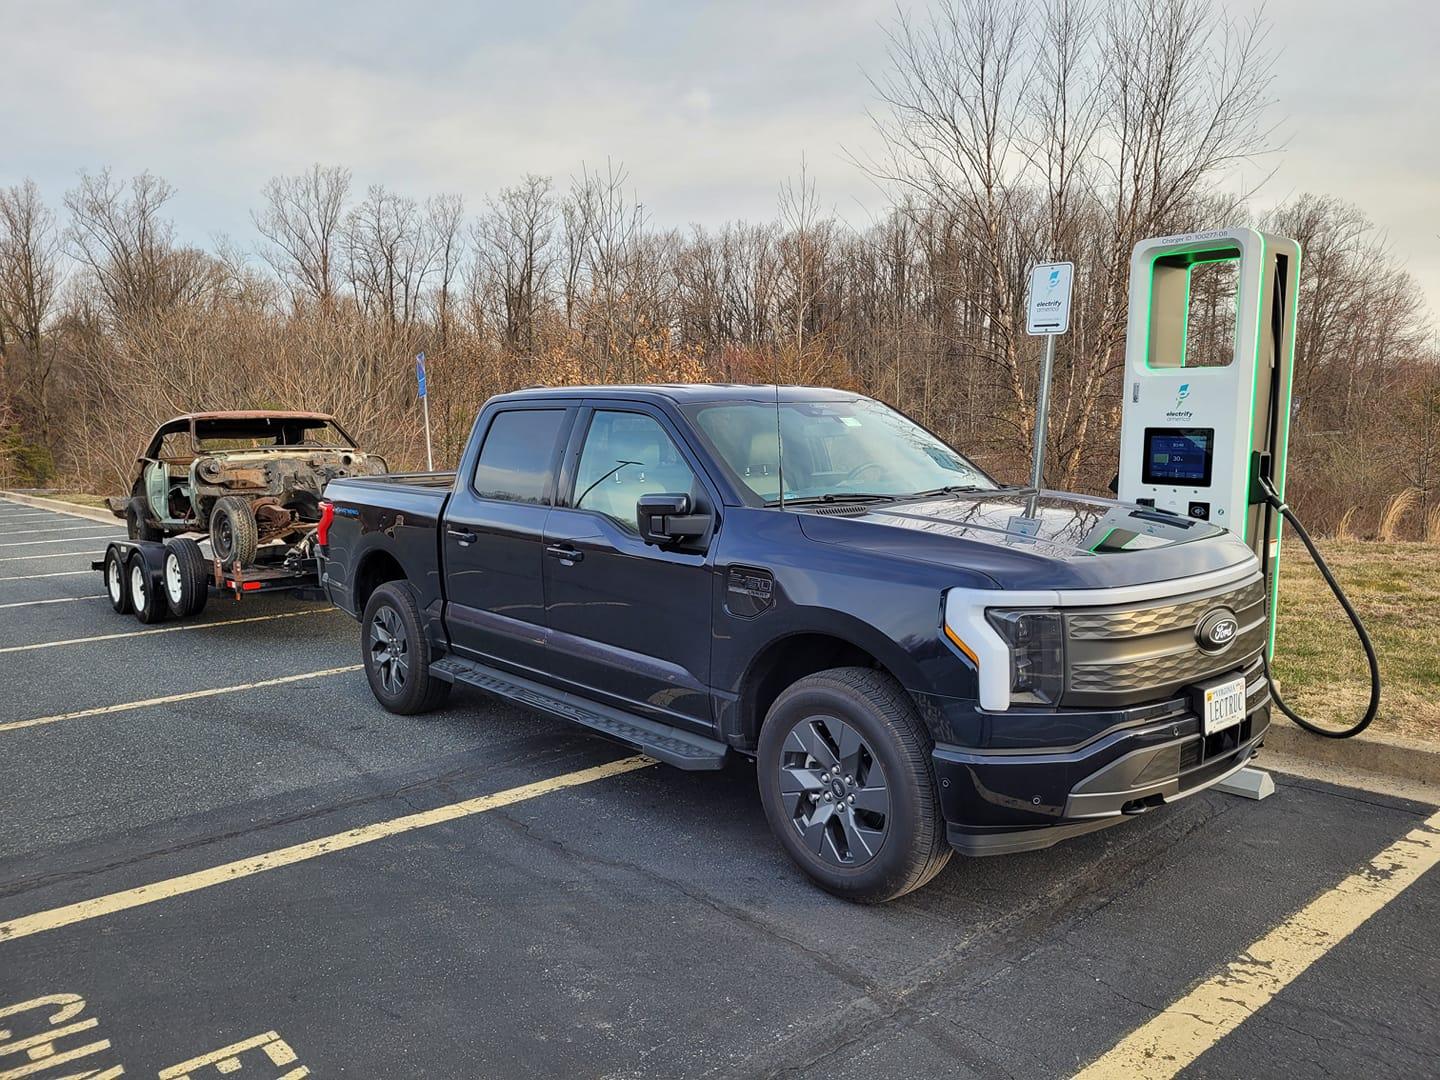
[{"x": 1250, "y": 783}]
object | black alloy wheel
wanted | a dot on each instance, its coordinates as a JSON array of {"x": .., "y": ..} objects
[
  {"x": 390, "y": 650},
  {"x": 843, "y": 763},
  {"x": 396, "y": 651},
  {"x": 834, "y": 791}
]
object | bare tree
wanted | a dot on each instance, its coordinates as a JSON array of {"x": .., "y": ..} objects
[
  {"x": 118, "y": 234},
  {"x": 301, "y": 222},
  {"x": 514, "y": 243},
  {"x": 30, "y": 278}
]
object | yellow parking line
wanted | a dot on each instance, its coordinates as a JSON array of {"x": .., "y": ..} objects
[
  {"x": 1190, "y": 1026},
  {"x": 163, "y": 630},
  {"x": 310, "y": 849},
  {"x": 170, "y": 699},
  {"x": 62, "y": 540}
]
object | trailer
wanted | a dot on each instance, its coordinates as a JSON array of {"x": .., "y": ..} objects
[{"x": 158, "y": 579}]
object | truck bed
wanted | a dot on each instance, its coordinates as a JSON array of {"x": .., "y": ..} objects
[{"x": 399, "y": 513}]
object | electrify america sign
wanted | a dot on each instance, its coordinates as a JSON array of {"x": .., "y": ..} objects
[{"x": 1049, "y": 307}]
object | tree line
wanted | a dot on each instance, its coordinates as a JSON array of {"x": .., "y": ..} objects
[{"x": 1010, "y": 133}]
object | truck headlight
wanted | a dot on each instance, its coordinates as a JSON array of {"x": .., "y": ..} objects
[{"x": 1037, "y": 653}]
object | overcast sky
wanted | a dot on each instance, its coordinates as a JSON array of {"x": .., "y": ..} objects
[{"x": 709, "y": 106}]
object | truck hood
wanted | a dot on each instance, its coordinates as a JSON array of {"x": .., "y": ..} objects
[{"x": 1072, "y": 542}]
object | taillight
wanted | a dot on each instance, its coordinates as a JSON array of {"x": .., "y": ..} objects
[{"x": 322, "y": 531}]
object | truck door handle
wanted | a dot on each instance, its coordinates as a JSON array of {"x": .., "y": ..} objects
[
  {"x": 564, "y": 552},
  {"x": 465, "y": 536}
]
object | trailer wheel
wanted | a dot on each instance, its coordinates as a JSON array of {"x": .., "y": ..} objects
[
  {"x": 116, "y": 584},
  {"x": 186, "y": 577},
  {"x": 233, "y": 532},
  {"x": 396, "y": 650},
  {"x": 137, "y": 522},
  {"x": 146, "y": 600}
]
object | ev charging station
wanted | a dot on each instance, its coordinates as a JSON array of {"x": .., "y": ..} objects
[
  {"x": 1205, "y": 427},
  {"x": 1199, "y": 432}
]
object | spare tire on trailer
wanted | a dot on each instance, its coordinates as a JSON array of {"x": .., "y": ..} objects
[
  {"x": 186, "y": 577},
  {"x": 233, "y": 532},
  {"x": 137, "y": 522}
]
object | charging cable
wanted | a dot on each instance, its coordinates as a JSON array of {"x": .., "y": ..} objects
[{"x": 1273, "y": 499}]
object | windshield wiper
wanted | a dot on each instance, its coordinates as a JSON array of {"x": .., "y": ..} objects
[
  {"x": 950, "y": 489},
  {"x": 833, "y": 497}
]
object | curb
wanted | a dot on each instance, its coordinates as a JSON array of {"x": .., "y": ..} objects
[
  {"x": 1391, "y": 756},
  {"x": 60, "y": 507}
]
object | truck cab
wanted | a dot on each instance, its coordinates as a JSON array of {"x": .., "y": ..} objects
[{"x": 918, "y": 658}]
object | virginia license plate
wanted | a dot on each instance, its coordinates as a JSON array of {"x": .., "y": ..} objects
[{"x": 1224, "y": 705}]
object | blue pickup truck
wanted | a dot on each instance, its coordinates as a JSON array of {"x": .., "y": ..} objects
[{"x": 918, "y": 659}]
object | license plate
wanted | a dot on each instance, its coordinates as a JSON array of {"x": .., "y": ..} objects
[{"x": 1224, "y": 705}]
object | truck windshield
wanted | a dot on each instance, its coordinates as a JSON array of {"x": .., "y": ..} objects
[{"x": 831, "y": 449}]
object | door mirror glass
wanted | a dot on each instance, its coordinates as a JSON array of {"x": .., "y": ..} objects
[{"x": 664, "y": 518}]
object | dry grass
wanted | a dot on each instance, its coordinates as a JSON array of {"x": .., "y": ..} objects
[
  {"x": 1318, "y": 662},
  {"x": 1346, "y": 529},
  {"x": 1396, "y": 507},
  {"x": 81, "y": 498}
]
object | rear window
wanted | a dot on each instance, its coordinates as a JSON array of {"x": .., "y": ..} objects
[{"x": 515, "y": 459}]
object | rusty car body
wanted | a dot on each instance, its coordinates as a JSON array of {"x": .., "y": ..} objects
[{"x": 243, "y": 478}]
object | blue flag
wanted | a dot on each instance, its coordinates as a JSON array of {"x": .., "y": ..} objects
[{"x": 420, "y": 372}]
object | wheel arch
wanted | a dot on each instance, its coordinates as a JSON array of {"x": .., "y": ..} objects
[
  {"x": 787, "y": 659},
  {"x": 375, "y": 568}
]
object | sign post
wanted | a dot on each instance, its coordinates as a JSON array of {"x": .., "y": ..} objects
[
  {"x": 424, "y": 408},
  {"x": 1048, "y": 316}
]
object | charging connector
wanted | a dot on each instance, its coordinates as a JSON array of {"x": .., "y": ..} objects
[{"x": 1272, "y": 499}]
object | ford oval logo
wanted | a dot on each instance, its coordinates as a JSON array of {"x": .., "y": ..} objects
[{"x": 1217, "y": 630}]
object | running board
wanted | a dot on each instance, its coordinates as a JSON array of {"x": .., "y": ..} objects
[{"x": 660, "y": 741}]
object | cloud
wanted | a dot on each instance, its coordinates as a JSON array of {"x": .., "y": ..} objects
[{"x": 710, "y": 107}]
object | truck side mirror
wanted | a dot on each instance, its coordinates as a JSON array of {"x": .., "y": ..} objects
[{"x": 666, "y": 518}]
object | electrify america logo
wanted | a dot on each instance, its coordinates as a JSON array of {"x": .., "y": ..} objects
[{"x": 1180, "y": 412}]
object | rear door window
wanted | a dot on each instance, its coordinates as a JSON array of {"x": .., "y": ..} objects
[{"x": 518, "y": 454}]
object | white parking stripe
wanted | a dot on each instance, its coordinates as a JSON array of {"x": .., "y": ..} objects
[
  {"x": 49, "y": 515},
  {"x": 164, "y": 630},
  {"x": 62, "y": 540},
  {"x": 170, "y": 699},
  {"x": 58, "y": 600},
  {"x": 56, "y": 555},
  {"x": 37, "y": 577},
  {"x": 66, "y": 527}
]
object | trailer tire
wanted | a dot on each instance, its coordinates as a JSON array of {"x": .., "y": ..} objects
[
  {"x": 147, "y": 597},
  {"x": 137, "y": 522},
  {"x": 117, "y": 583},
  {"x": 234, "y": 536},
  {"x": 396, "y": 650},
  {"x": 186, "y": 577}
]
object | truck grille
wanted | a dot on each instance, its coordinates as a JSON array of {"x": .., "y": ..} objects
[{"x": 1123, "y": 654}]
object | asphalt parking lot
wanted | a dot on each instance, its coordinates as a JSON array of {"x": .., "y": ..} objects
[{"x": 220, "y": 856}]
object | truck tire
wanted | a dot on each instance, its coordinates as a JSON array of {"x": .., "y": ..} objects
[
  {"x": 117, "y": 581},
  {"x": 396, "y": 650},
  {"x": 186, "y": 577},
  {"x": 146, "y": 598},
  {"x": 846, "y": 782},
  {"x": 138, "y": 524},
  {"x": 233, "y": 532}
]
